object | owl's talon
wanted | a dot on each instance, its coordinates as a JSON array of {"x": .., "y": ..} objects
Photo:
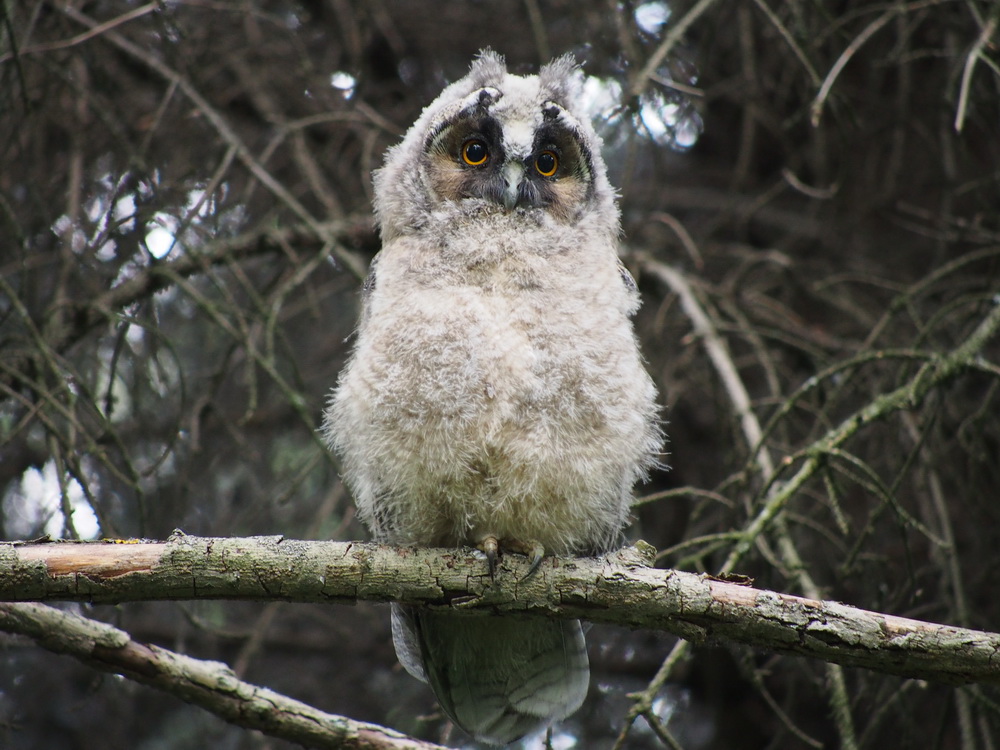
[
  {"x": 491, "y": 547},
  {"x": 537, "y": 553}
]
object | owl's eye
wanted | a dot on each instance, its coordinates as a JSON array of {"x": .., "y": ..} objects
[
  {"x": 475, "y": 153},
  {"x": 547, "y": 163}
]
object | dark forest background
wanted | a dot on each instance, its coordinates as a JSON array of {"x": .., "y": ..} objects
[{"x": 184, "y": 220}]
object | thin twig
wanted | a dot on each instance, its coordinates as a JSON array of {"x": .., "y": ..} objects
[
  {"x": 816, "y": 110},
  {"x": 975, "y": 54},
  {"x": 670, "y": 40},
  {"x": 96, "y": 30},
  {"x": 790, "y": 41}
]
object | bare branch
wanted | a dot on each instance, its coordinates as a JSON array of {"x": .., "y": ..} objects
[
  {"x": 208, "y": 684},
  {"x": 620, "y": 589}
]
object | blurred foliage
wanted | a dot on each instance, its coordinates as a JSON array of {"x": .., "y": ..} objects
[{"x": 184, "y": 216}]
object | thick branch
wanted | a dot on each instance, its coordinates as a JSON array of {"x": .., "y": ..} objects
[
  {"x": 210, "y": 685},
  {"x": 621, "y": 589}
]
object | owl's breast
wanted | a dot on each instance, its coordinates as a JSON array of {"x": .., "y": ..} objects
[
  {"x": 489, "y": 406},
  {"x": 500, "y": 340}
]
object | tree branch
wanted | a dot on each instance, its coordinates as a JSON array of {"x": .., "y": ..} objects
[
  {"x": 621, "y": 589},
  {"x": 208, "y": 684}
]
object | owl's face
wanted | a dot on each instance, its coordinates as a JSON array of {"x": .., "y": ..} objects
[
  {"x": 497, "y": 143},
  {"x": 510, "y": 153}
]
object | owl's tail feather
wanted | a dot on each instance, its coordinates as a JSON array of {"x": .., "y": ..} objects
[{"x": 498, "y": 678}]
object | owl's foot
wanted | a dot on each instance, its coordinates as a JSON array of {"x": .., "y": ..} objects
[
  {"x": 492, "y": 546},
  {"x": 534, "y": 551}
]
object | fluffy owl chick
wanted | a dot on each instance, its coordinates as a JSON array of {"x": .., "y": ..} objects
[{"x": 496, "y": 392}]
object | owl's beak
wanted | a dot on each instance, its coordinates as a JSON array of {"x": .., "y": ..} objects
[{"x": 513, "y": 173}]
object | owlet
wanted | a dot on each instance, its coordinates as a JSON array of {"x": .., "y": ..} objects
[{"x": 496, "y": 396}]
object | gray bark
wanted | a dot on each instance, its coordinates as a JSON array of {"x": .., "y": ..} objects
[{"x": 621, "y": 589}]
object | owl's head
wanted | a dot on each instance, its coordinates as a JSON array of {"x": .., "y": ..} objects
[{"x": 495, "y": 142}]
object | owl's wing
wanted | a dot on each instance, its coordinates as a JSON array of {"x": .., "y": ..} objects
[
  {"x": 499, "y": 678},
  {"x": 406, "y": 641}
]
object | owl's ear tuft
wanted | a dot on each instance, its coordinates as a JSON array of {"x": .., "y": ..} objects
[
  {"x": 488, "y": 68},
  {"x": 562, "y": 80}
]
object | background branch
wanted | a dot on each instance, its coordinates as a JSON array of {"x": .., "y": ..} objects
[{"x": 208, "y": 684}]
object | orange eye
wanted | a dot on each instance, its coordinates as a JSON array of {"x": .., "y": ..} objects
[
  {"x": 547, "y": 163},
  {"x": 475, "y": 153}
]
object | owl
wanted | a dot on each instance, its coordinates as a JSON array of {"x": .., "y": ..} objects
[{"x": 496, "y": 396}]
